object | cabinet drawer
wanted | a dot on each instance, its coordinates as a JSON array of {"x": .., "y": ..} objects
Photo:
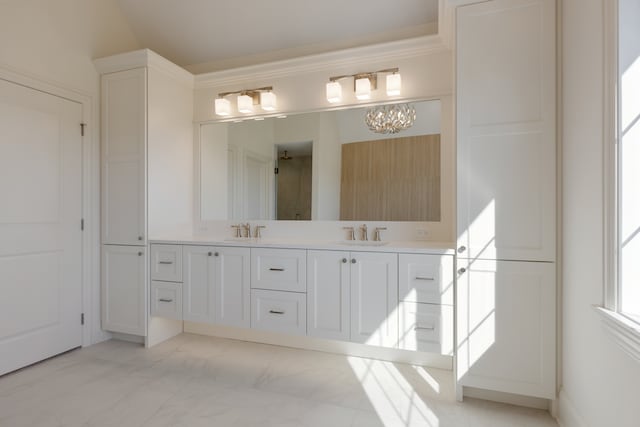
[
  {"x": 166, "y": 300},
  {"x": 279, "y": 269},
  {"x": 166, "y": 263},
  {"x": 279, "y": 311},
  {"x": 426, "y": 278},
  {"x": 426, "y": 327}
]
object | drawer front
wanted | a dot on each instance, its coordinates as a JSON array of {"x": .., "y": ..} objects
[
  {"x": 166, "y": 300},
  {"x": 166, "y": 263},
  {"x": 426, "y": 278},
  {"x": 279, "y": 269},
  {"x": 426, "y": 327},
  {"x": 279, "y": 311}
]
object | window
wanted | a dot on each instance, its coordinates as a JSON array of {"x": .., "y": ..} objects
[{"x": 623, "y": 164}]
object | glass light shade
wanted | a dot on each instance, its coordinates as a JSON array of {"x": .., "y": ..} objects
[
  {"x": 245, "y": 104},
  {"x": 268, "y": 101},
  {"x": 363, "y": 89},
  {"x": 223, "y": 107},
  {"x": 334, "y": 92},
  {"x": 394, "y": 84}
]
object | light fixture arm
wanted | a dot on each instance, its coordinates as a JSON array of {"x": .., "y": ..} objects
[
  {"x": 250, "y": 92},
  {"x": 364, "y": 83}
]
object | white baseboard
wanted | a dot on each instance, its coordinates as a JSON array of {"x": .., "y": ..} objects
[
  {"x": 567, "y": 414},
  {"x": 127, "y": 337},
  {"x": 511, "y": 399},
  {"x": 329, "y": 346}
]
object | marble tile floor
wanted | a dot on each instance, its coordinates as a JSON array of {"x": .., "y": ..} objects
[{"x": 194, "y": 381}]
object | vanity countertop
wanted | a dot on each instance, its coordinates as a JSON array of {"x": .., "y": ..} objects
[{"x": 417, "y": 247}]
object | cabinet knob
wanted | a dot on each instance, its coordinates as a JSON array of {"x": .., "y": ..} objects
[
  {"x": 462, "y": 270},
  {"x": 344, "y": 260},
  {"x": 462, "y": 249},
  {"x": 139, "y": 237},
  {"x": 216, "y": 254},
  {"x": 209, "y": 253},
  {"x": 353, "y": 260},
  {"x": 140, "y": 253}
]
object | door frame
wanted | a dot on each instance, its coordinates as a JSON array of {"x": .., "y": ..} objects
[{"x": 90, "y": 194}]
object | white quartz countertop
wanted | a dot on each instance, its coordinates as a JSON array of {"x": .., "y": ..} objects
[{"x": 418, "y": 247}]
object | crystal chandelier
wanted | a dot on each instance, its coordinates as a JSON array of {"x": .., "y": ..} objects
[{"x": 390, "y": 118}]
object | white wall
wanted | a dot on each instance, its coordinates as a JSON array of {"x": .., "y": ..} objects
[{"x": 601, "y": 384}]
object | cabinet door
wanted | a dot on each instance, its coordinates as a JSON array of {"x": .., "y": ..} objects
[
  {"x": 506, "y": 130},
  {"x": 232, "y": 286},
  {"x": 198, "y": 296},
  {"x": 328, "y": 294},
  {"x": 124, "y": 278},
  {"x": 374, "y": 298},
  {"x": 506, "y": 315},
  {"x": 124, "y": 127}
]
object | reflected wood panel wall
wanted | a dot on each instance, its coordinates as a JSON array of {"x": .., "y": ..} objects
[{"x": 394, "y": 179}]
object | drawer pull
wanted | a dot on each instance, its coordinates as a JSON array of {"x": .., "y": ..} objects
[
  {"x": 165, "y": 300},
  {"x": 462, "y": 270},
  {"x": 276, "y": 312},
  {"x": 425, "y": 278},
  {"x": 276, "y": 269},
  {"x": 165, "y": 262},
  {"x": 424, "y": 328}
]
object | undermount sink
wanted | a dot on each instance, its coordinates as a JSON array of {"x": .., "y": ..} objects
[{"x": 362, "y": 243}]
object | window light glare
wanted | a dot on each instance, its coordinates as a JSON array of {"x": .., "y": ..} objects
[
  {"x": 334, "y": 92},
  {"x": 222, "y": 107}
]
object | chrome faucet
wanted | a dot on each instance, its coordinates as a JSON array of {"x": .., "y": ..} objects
[
  {"x": 247, "y": 230},
  {"x": 352, "y": 233},
  {"x": 363, "y": 229},
  {"x": 238, "y": 229},
  {"x": 376, "y": 233}
]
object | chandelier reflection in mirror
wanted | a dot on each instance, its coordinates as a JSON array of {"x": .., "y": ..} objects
[{"x": 390, "y": 118}]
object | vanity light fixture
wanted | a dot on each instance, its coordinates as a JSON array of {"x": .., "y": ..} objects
[
  {"x": 246, "y": 100},
  {"x": 364, "y": 83}
]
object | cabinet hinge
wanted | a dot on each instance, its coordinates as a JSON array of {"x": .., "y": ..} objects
[
  {"x": 82, "y": 224},
  {"x": 275, "y": 171},
  {"x": 82, "y": 318},
  {"x": 82, "y": 125}
]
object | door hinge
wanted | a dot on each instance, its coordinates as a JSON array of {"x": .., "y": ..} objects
[
  {"x": 82, "y": 125},
  {"x": 82, "y": 318},
  {"x": 275, "y": 171},
  {"x": 82, "y": 224}
]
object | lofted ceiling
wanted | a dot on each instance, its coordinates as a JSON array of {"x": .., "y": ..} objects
[{"x": 208, "y": 35}]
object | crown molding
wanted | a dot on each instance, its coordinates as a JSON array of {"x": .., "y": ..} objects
[
  {"x": 387, "y": 52},
  {"x": 143, "y": 58}
]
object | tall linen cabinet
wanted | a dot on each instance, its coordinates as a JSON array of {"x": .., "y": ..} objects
[
  {"x": 147, "y": 174},
  {"x": 506, "y": 196}
]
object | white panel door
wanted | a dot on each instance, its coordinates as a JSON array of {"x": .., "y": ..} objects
[
  {"x": 374, "y": 298},
  {"x": 198, "y": 288},
  {"x": 506, "y": 315},
  {"x": 124, "y": 134},
  {"x": 233, "y": 286},
  {"x": 506, "y": 130},
  {"x": 124, "y": 285},
  {"x": 328, "y": 294},
  {"x": 40, "y": 238}
]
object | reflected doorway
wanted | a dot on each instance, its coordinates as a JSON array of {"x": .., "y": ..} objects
[{"x": 293, "y": 181}]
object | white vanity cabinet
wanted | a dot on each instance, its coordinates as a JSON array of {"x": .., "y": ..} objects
[
  {"x": 506, "y": 196},
  {"x": 353, "y": 296},
  {"x": 506, "y": 326},
  {"x": 123, "y": 291},
  {"x": 426, "y": 292},
  {"x": 216, "y": 286},
  {"x": 146, "y": 150}
]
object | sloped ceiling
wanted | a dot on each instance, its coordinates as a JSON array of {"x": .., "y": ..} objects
[{"x": 208, "y": 35}]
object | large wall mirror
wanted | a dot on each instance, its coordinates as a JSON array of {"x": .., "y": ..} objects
[{"x": 321, "y": 166}]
